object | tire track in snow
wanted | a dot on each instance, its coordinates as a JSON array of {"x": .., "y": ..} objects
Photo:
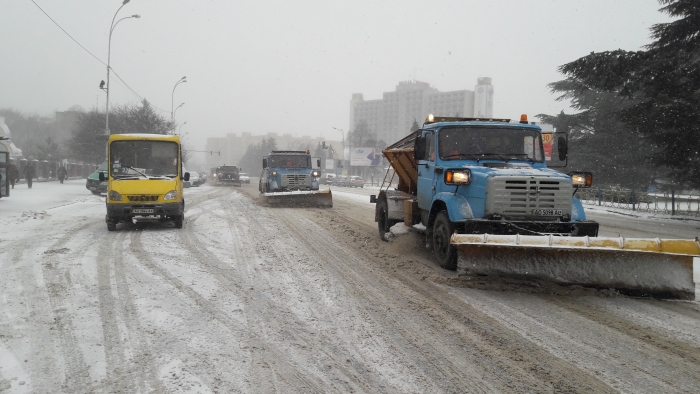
[
  {"x": 130, "y": 363},
  {"x": 416, "y": 353},
  {"x": 57, "y": 281},
  {"x": 387, "y": 308},
  {"x": 315, "y": 251},
  {"x": 264, "y": 354},
  {"x": 45, "y": 370},
  {"x": 485, "y": 335},
  {"x": 213, "y": 311},
  {"x": 621, "y": 361},
  {"x": 252, "y": 236},
  {"x": 143, "y": 368},
  {"x": 113, "y": 342}
]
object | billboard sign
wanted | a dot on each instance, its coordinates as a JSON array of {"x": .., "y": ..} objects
[{"x": 365, "y": 157}]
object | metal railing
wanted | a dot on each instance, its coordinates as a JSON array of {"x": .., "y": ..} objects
[{"x": 670, "y": 203}]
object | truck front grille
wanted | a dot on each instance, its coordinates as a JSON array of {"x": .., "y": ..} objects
[
  {"x": 293, "y": 181},
  {"x": 519, "y": 196}
]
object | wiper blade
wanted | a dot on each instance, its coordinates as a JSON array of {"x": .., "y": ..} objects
[
  {"x": 459, "y": 155},
  {"x": 134, "y": 169}
]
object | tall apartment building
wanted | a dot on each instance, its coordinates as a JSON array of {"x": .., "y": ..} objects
[
  {"x": 392, "y": 116},
  {"x": 233, "y": 146}
]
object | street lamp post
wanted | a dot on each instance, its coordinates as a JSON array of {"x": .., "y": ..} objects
[
  {"x": 178, "y": 130},
  {"x": 172, "y": 98},
  {"x": 343, "y": 133},
  {"x": 109, "y": 55},
  {"x": 175, "y": 112}
]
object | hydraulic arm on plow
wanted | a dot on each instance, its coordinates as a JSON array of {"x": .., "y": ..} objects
[{"x": 490, "y": 205}]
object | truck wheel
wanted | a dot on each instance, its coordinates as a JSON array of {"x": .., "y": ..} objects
[
  {"x": 383, "y": 223},
  {"x": 177, "y": 220},
  {"x": 111, "y": 226},
  {"x": 445, "y": 254}
]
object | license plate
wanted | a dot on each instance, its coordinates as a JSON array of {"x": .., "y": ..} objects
[
  {"x": 546, "y": 212},
  {"x": 140, "y": 210},
  {"x": 92, "y": 188}
]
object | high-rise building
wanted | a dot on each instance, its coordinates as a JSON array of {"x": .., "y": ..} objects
[{"x": 392, "y": 116}]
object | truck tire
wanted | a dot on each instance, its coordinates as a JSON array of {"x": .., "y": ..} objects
[
  {"x": 445, "y": 254},
  {"x": 111, "y": 226},
  {"x": 177, "y": 220},
  {"x": 383, "y": 223}
]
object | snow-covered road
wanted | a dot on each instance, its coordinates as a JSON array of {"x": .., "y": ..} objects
[{"x": 252, "y": 299}]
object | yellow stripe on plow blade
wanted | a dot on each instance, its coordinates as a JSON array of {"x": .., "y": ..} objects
[{"x": 660, "y": 267}]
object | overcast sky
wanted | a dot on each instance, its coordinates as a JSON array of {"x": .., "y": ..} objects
[{"x": 292, "y": 66}]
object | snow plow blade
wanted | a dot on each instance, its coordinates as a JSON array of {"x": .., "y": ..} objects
[
  {"x": 658, "y": 267},
  {"x": 300, "y": 198}
]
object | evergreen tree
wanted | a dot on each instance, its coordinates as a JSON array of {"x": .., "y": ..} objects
[
  {"x": 662, "y": 87},
  {"x": 598, "y": 141}
]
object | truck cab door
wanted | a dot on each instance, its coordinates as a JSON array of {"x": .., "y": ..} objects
[{"x": 426, "y": 173}]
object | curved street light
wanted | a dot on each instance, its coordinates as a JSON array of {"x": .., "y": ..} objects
[
  {"x": 109, "y": 56},
  {"x": 172, "y": 98},
  {"x": 178, "y": 130},
  {"x": 343, "y": 133},
  {"x": 175, "y": 112}
]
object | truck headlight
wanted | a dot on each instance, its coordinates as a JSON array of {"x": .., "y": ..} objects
[
  {"x": 114, "y": 196},
  {"x": 458, "y": 177},
  {"x": 581, "y": 179},
  {"x": 273, "y": 173},
  {"x": 316, "y": 174},
  {"x": 171, "y": 195}
]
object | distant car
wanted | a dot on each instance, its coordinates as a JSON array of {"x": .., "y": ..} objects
[
  {"x": 339, "y": 181},
  {"x": 244, "y": 177},
  {"x": 355, "y": 181},
  {"x": 93, "y": 181},
  {"x": 326, "y": 179},
  {"x": 195, "y": 179}
]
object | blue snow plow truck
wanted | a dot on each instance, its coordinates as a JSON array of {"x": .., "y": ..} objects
[
  {"x": 482, "y": 193},
  {"x": 479, "y": 176},
  {"x": 291, "y": 178}
]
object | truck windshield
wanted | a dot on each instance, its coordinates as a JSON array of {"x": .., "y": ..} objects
[
  {"x": 129, "y": 159},
  {"x": 482, "y": 143},
  {"x": 289, "y": 161},
  {"x": 228, "y": 169}
]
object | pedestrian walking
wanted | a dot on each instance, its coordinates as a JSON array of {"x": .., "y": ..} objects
[
  {"x": 62, "y": 173},
  {"x": 29, "y": 174},
  {"x": 13, "y": 174}
]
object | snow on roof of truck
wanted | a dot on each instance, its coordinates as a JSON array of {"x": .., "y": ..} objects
[{"x": 290, "y": 151}]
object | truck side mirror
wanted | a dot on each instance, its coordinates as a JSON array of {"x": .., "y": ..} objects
[
  {"x": 562, "y": 148},
  {"x": 187, "y": 176},
  {"x": 419, "y": 149},
  {"x": 102, "y": 177},
  {"x": 264, "y": 163},
  {"x": 318, "y": 163}
]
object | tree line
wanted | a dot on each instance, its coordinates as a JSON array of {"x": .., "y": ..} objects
[
  {"x": 638, "y": 112},
  {"x": 34, "y": 134}
]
